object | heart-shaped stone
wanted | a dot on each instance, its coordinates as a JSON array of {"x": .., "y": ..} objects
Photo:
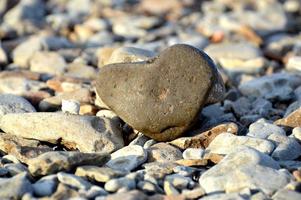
[{"x": 160, "y": 97}]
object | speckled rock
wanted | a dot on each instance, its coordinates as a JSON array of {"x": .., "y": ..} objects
[
  {"x": 127, "y": 158},
  {"x": 166, "y": 95},
  {"x": 162, "y": 152},
  {"x": 226, "y": 143},
  {"x": 245, "y": 168},
  {"x": 14, "y": 104},
  {"x": 52, "y": 162},
  {"x": 86, "y": 133}
]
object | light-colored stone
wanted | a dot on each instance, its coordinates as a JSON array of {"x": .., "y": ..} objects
[
  {"x": 223, "y": 196},
  {"x": 86, "y": 133},
  {"x": 180, "y": 182},
  {"x": 47, "y": 62},
  {"x": 245, "y": 168},
  {"x": 287, "y": 148},
  {"x": 130, "y": 54},
  {"x": 99, "y": 174},
  {"x": 292, "y": 120},
  {"x": 193, "y": 153},
  {"x": 286, "y": 194},
  {"x": 15, "y": 187},
  {"x": 73, "y": 181},
  {"x": 263, "y": 129},
  {"x": 115, "y": 184},
  {"x": 226, "y": 143},
  {"x": 294, "y": 64},
  {"x": 162, "y": 152},
  {"x": 296, "y": 133},
  {"x": 52, "y": 162},
  {"x": 70, "y": 106},
  {"x": 45, "y": 186},
  {"x": 127, "y": 158},
  {"x": 276, "y": 86},
  {"x": 10, "y": 103}
]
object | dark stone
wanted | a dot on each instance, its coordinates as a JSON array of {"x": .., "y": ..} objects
[{"x": 160, "y": 97}]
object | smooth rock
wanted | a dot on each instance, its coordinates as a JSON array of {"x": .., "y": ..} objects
[
  {"x": 52, "y": 162},
  {"x": 225, "y": 143},
  {"x": 86, "y": 133},
  {"x": 23, "y": 52},
  {"x": 99, "y": 174},
  {"x": 162, "y": 152},
  {"x": 15, "y": 187},
  {"x": 223, "y": 196},
  {"x": 3, "y": 56},
  {"x": 286, "y": 194},
  {"x": 287, "y": 148},
  {"x": 115, "y": 184},
  {"x": 296, "y": 133},
  {"x": 73, "y": 181},
  {"x": 10, "y": 103},
  {"x": 15, "y": 168},
  {"x": 47, "y": 62},
  {"x": 70, "y": 106},
  {"x": 93, "y": 192},
  {"x": 129, "y": 55},
  {"x": 180, "y": 182},
  {"x": 245, "y": 168},
  {"x": 127, "y": 158},
  {"x": 159, "y": 169},
  {"x": 157, "y": 88},
  {"x": 45, "y": 186},
  {"x": 263, "y": 129},
  {"x": 131, "y": 195},
  {"x": 294, "y": 64},
  {"x": 193, "y": 153}
]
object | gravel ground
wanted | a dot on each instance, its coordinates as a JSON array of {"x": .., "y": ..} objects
[{"x": 210, "y": 110}]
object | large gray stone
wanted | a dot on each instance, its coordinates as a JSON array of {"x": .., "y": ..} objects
[{"x": 166, "y": 92}]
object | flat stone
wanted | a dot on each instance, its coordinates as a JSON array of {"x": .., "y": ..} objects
[
  {"x": 225, "y": 143},
  {"x": 15, "y": 187},
  {"x": 47, "y": 62},
  {"x": 243, "y": 51},
  {"x": 73, "y": 181},
  {"x": 159, "y": 169},
  {"x": 192, "y": 162},
  {"x": 52, "y": 162},
  {"x": 14, "y": 104},
  {"x": 224, "y": 196},
  {"x": 245, "y": 168},
  {"x": 291, "y": 121},
  {"x": 263, "y": 129},
  {"x": 296, "y": 133},
  {"x": 86, "y": 133},
  {"x": 129, "y": 55},
  {"x": 286, "y": 194},
  {"x": 99, "y": 174},
  {"x": 203, "y": 139},
  {"x": 22, "y": 149},
  {"x": 115, "y": 184},
  {"x": 131, "y": 195},
  {"x": 127, "y": 158},
  {"x": 158, "y": 86},
  {"x": 45, "y": 186},
  {"x": 278, "y": 86},
  {"x": 287, "y": 147},
  {"x": 162, "y": 152},
  {"x": 180, "y": 182}
]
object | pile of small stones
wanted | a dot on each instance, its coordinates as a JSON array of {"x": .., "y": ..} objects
[{"x": 150, "y": 99}]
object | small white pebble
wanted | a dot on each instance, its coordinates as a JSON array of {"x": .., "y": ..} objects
[
  {"x": 70, "y": 106},
  {"x": 193, "y": 153}
]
